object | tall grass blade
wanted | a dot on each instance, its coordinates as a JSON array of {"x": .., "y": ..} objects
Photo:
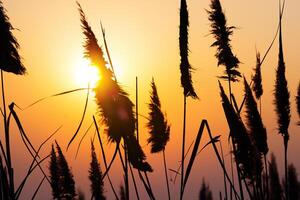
[
  {"x": 38, "y": 188},
  {"x": 54, "y": 95},
  {"x": 104, "y": 159},
  {"x": 83, "y": 136},
  {"x": 82, "y": 117},
  {"x": 193, "y": 155}
]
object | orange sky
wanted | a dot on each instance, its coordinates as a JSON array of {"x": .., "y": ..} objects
[{"x": 143, "y": 41}]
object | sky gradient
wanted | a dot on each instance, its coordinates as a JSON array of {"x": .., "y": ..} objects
[{"x": 143, "y": 42}]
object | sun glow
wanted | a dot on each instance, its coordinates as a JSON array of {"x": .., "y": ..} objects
[{"x": 85, "y": 74}]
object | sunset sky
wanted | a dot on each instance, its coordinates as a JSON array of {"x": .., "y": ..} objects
[{"x": 143, "y": 42}]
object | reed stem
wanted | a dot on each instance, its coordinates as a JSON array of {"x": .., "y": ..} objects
[
  {"x": 166, "y": 175},
  {"x": 183, "y": 147}
]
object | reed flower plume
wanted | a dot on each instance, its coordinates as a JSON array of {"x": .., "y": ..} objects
[
  {"x": 245, "y": 153},
  {"x": 54, "y": 174},
  {"x": 282, "y": 104},
  {"x": 10, "y": 60},
  {"x": 157, "y": 124},
  {"x": 66, "y": 180},
  {"x": 115, "y": 107},
  {"x": 281, "y": 94},
  {"x": 257, "y": 80},
  {"x": 95, "y": 176},
  {"x": 255, "y": 125},
  {"x": 185, "y": 67},
  {"x": 221, "y": 32}
]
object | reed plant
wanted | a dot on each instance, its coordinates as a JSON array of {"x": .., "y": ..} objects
[
  {"x": 186, "y": 78},
  {"x": 159, "y": 129},
  {"x": 282, "y": 103}
]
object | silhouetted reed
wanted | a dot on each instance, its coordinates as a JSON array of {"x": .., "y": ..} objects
[
  {"x": 186, "y": 79},
  {"x": 254, "y": 122},
  {"x": 185, "y": 67},
  {"x": 221, "y": 32},
  {"x": 54, "y": 175},
  {"x": 10, "y": 60},
  {"x": 95, "y": 176},
  {"x": 257, "y": 79},
  {"x": 157, "y": 124},
  {"x": 247, "y": 158},
  {"x": 115, "y": 107},
  {"x": 294, "y": 184},
  {"x": 205, "y": 193},
  {"x": 282, "y": 102},
  {"x": 274, "y": 180},
  {"x": 66, "y": 182},
  {"x": 158, "y": 128}
]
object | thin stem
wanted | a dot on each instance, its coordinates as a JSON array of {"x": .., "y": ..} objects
[
  {"x": 166, "y": 174},
  {"x": 126, "y": 171},
  {"x": 134, "y": 183},
  {"x": 285, "y": 138},
  {"x": 104, "y": 159},
  {"x": 7, "y": 140},
  {"x": 267, "y": 177},
  {"x": 137, "y": 108},
  {"x": 224, "y": 176},
  {"x": 183, "y": 147},
  {"x": 238, "y": 170}
]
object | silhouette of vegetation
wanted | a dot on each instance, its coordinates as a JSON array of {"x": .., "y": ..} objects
[
  {"x": 282, "y": 103},
  {"x": 294, "y": 184},
  {"x": 221, "y": 32},
  {"x": 274, "y": 180},
  {"x": 122, "y": 193},
  {"x": 159, "y": 128},
  {"x": 119, "y": 120},
  {"x": 157, "y": 124},
  {"x": 186, "y": 79},
  {"x": 95, "y": 176},
  {"x": 205, "y": 193},
  {"x": 257, "y": 79},
  {"x": 66, "y": 182},
  {"x": 54, "y": 175},
  {"x": 115, "y": 107},
  {"x": 10, "y": 60},
  {"x": 185, "y": 67}
]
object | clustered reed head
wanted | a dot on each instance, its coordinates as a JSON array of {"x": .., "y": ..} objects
[
  {"x": 255, "y": 125},
  {"x": 157, "y": 124},
  {"x": 245, "y": 153},
  {"x": 10, "y": 60},
  {"x": 281, "y": 93},
  {"x": 257, "y": 80},
  {"x": 95, "y": 176},
  {"x": 185, "y": 67},
  {"x": 221, "y": 33},
  {"x": 115, "y": 107}
]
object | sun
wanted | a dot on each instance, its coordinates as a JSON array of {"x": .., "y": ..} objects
[{"x": 85, "y": 74}]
